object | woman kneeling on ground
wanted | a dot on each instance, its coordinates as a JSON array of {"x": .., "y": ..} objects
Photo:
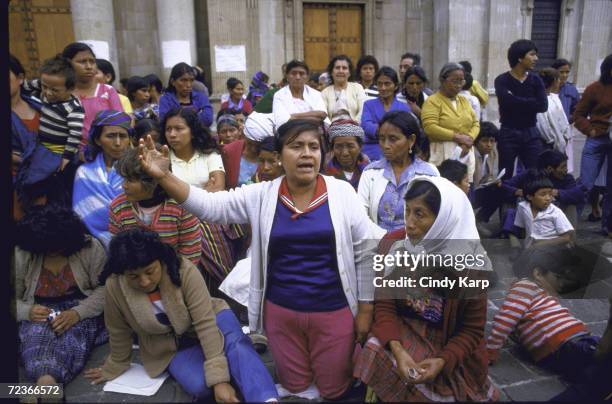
[
  {"x": 431, "y": 346},
  {"x": 162, "y": 298},
  {"x": 57, "y": 264}
]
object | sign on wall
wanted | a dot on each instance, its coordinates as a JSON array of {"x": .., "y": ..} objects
[{"x": 230, "y": 58}]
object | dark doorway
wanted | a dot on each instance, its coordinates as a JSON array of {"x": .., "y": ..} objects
[{"x": 545, "y": 30}]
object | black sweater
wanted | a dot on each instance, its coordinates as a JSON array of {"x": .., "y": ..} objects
[{"x": 519, "y": 103}]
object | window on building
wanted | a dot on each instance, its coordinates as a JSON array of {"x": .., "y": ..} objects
[{"x": 545, "y": 30}]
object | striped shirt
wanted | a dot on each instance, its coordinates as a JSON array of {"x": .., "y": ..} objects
[
  {"x": 61, "y": 123},
  {"x": 542, "y": 324},
  {"x": 174, "y": 225}
]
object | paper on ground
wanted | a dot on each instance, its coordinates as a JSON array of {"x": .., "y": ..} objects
[
  {"x": 311, "y": 393},
  {"x": 136, "y": 381}
]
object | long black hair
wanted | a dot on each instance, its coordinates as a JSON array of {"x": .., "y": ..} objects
[
  {"x": 136, "y": 248},
  {"x": 177, "y": 71},
  {"x": 201, "y": 139},
  {"x": 606, "y": 70}
]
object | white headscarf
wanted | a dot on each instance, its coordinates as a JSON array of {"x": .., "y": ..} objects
[
  {"x": 259, "y": 126},
  {"x": 454, "y": 229}
]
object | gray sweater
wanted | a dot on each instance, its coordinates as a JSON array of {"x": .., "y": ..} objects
[{"x": 86, "y": 266}]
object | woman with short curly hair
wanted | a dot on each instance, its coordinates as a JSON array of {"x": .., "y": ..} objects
[{"x": 56, "y": 264}]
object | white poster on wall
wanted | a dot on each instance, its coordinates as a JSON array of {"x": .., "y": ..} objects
[
  {"x": 230, "y": 58},
  {"x": 174, "y": 52},
  {"x": 100, "y": 48}
]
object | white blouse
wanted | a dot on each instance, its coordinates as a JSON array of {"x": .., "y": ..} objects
[{"x": 197, "y": 170}]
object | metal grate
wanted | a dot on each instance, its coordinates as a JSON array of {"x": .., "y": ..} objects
[{"x": 545, "y": 30}]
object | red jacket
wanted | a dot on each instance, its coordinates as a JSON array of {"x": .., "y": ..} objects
[{"x": 231, "y": 155}]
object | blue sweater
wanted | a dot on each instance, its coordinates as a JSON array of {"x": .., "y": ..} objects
[
  {"x": 519, "y": 103},
  {"x": 373, "y": 111},
  {"x": 303, "y": 271},
  {"x": 199, "y": 101},
  {"x": 571, "y": 192}
]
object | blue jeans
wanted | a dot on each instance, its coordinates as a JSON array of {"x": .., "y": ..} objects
[
  {"x": 593, "y": 155},
  {"x": 247, "y": 370},
  {"x": 525, "y": 143}
]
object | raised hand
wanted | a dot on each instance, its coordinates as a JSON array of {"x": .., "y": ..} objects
[{"x": 155, "y": 163}]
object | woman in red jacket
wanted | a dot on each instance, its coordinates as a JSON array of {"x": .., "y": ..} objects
[{"x": 429, "y": 345}]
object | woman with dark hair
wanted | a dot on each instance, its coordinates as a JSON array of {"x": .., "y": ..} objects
[
  {"x": 144, "y": 204},
  {"x": 428, "y": 345},
  {"x": 155, "y": 87},
  {"x": 269, "y": 166},
  {"x": 59, "y": 301},
  {"x": 413, "y": 89},
  {"x": 303, "y": 231},
  {"x": 344, "y": 99},
  {"x": 258, "y": 87},
  {"x": 196, "y": 160},
  {"x": 347, "y": 162},
  {"x": 94, "y": 96},
  {"x": 297, "y": 100},
  {"x": 552, "y": 124},
  {"x": 106, "y": 75},
  {"x": 161, "y": 297},
  {"x": 568, "y": 94},
  {"x": 228, "y": 129},
  {"x": 236, "y": 100},
  {"x": 138, "y": 91},
  {"x": 180, "y": 93},
  {"x": 592, "y": 117},
  {"x": 367, "y": 66},
  {"x": 146, "y": 127},
  {"x": 96, "y": 182},
  {"x": 449, "y": 121},
  {"x": 373, "y": 110},
  {"x": 384, "y": 183}
]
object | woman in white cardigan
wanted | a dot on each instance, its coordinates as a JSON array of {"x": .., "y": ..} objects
[
  {"x": 311, "y": 276},
  {"x": 384, "y": 183},
  {"x": 343, "y": 99}
]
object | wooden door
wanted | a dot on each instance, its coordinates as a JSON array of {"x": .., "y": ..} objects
[
  {"x": 330, "y": 30},
  {"x": 38, "y": 30}
]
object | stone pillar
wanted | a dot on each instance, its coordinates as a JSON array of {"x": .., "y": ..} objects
[
  {"x": 177, "y": 34},
  {"x": 94, "y": 23}
]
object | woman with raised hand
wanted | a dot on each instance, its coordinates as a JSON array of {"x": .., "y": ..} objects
[
  {"x": 429, "y": 345},
  {"x": 301, "y": 230},
  {"x": 96, "y": 182},
  {"x": 373, "y": 110},
  {"x": 384, "y": 183},
  {"x": 59, "y": 301},
  {"x": 162, "y": 298},
  {"x": 180, "y": 93},
  {"x": 344, "y": 99}
]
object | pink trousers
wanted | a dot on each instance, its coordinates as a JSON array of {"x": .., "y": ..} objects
[{"x": 311, "y": 347}]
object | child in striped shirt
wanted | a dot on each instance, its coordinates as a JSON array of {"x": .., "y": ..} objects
[
  {"x": 62, "y": 115},
  {"x": 554, "y": 338}
]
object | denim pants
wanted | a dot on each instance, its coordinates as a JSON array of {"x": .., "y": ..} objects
[
  {"x": 525, "y": 143},
  {"x": 247, "y": 370},
  {"x": 595, "y": 150},
  {"x": 573, "y": 358}
]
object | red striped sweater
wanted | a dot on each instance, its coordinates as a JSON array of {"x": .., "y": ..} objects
[
  {"x": 174, "y": 225},
  {"x": 543, "y": 325}
]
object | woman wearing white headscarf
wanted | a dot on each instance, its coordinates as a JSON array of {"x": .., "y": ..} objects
[
  {"x": 240, "y": 156},
  {"x": 426, "y": 345}
]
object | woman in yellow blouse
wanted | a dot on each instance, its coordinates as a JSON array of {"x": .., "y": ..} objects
[{"x": 449, "y": 120}]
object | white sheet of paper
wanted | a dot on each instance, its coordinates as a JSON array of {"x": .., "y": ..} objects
[
  {"x": 136, "y": 381},
  {"x": 100, "y": 48},
  {"x": 174, "y": 52},
  {"x": 230, "y": 58}
]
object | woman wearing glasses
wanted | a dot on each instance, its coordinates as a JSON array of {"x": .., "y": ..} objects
[{"x": 449, "y": 120}]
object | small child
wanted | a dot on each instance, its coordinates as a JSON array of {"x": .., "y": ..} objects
[
  {"x": 269, "y": 166},
  {"x": 457, "y": 173},
  {"x": 554, "y": 338},
  {"x": 487, "y": 196},
  {"x": 542, "y": 220},
  {"x": 61, "y": 120}
]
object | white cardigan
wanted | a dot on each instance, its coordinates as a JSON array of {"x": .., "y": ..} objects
[
  {"x": 355, "y": 97},
  {"x": 372, "y": 185},
  {"x": 256, "y": 204},
  {"x": 283, "y": 107}
]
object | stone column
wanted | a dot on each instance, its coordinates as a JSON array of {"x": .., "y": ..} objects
[
  {"x": 94, "y": 23},
  {"x": 177, "y": 34}
]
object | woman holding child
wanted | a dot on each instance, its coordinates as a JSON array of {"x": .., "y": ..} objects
[
  {"x": 309, "y": 321},
  {"x": 428, "y": 346}
]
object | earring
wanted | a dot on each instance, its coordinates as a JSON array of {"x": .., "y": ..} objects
[{"x": 279, "y": 164}]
